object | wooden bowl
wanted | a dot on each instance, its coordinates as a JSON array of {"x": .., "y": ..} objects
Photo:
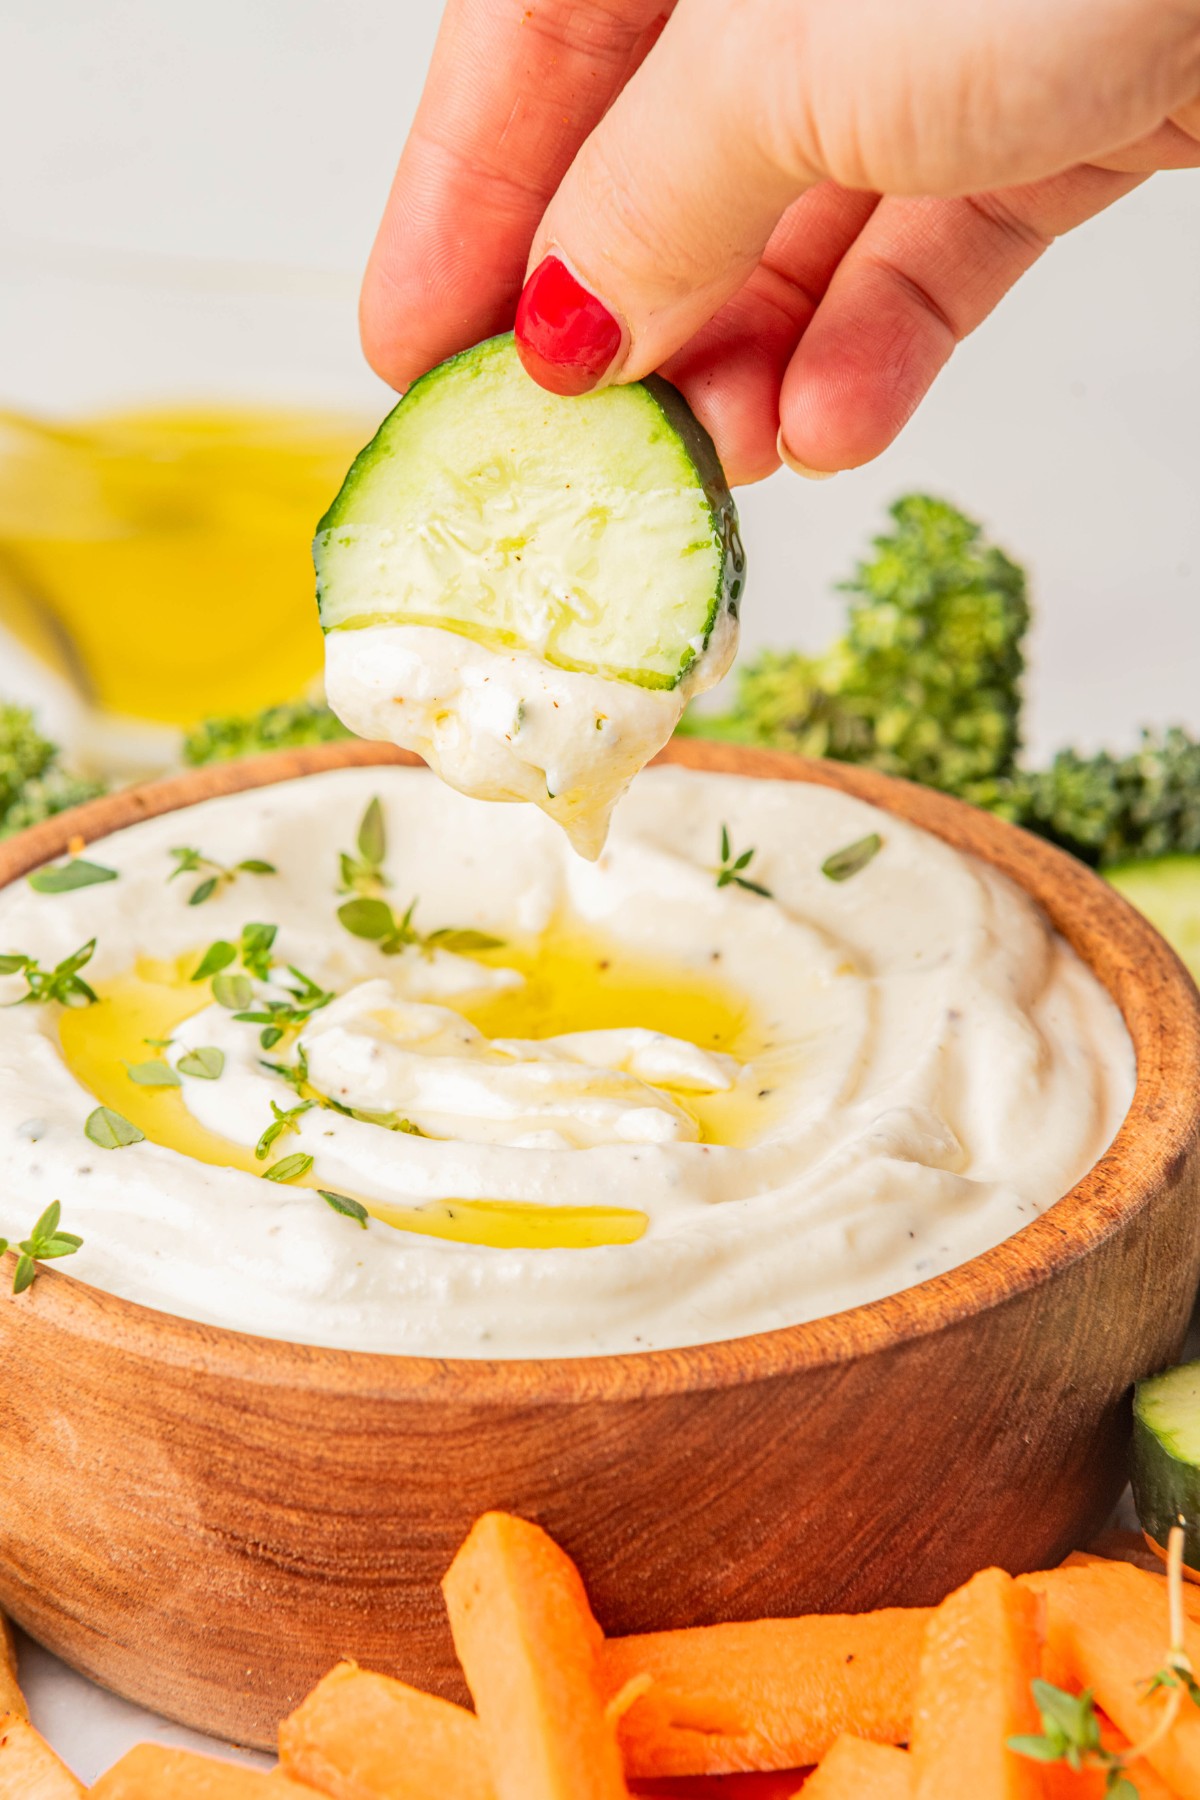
[{"x": 203, "y": 1520}]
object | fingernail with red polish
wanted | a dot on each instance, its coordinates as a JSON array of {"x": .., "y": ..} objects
[{"x": 566, "y": 338}]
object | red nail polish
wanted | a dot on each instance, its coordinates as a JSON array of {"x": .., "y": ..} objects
[{"x": 566, "y": 338}]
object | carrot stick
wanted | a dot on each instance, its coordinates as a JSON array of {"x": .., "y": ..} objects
[
  {"x": 772, "y": 1694},
  {"x": 360, "y": 1736},
  {"x": 529, "y": 1645},
  {"x": 1108, "y": 1627},
  {"x": 152, "y": 1772},
  {"x": 772, "y": 1785},
  {"x": 29, "y": 1769},
  {"x": 982, "y": 1650},
  {"x": 856, "y": 1770},
  {"x": 1149, "y": 1565},
  {"x": 12, "y": 1700}
]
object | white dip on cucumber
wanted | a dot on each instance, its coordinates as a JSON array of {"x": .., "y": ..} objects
[
  {"x": 528, "y": 590},
  {"x": 554, "y": 1107}
]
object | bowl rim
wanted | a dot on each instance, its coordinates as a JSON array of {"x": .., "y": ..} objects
[{"x": 1153, "y": 990}]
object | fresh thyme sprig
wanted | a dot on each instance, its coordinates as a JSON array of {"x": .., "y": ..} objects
[
  {"x": 1071, "y": 1735},
  {"x": 66, "y": 877},
  {"x": 852, "y": 857},
  {"x": 189, "y": 861},
  {"x": 253, "y": 948},
  {"x": 279, "y": 1016},
  {"x": 283, "y": 1119},
  {"x": 297, "y": 1077},
  {"x": 374, "y": 919},
  {"x": 1070, "y": 1728},
  {"x": 730, "y": 869},
  {"x": 44, "y": 1243},
  {"x": 363, "y": 874},
  {"x": 295, "y": 1074},
  {"x": 62, "y": 983}
]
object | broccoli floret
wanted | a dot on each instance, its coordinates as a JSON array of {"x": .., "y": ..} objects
[
  {"x": 1110, "y": 809},
  {"x": 33, "y": 784},
  {"x": 278, "y": 728},
  {"x": 926, "y": 682}
]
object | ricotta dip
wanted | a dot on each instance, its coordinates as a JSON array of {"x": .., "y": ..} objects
[
  {"x": 509, "y": 725},
  {"x": 659, "y": 1111}
]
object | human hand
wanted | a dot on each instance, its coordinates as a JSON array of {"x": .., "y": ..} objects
[{"x": 701, "y": 193}]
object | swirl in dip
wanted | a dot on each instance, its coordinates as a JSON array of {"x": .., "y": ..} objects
[{"x": 660, "y": 1112}]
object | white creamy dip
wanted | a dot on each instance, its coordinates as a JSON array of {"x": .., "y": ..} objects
[
  {"x": 507, "y": 725},
  {"x": 788, "y": 1105}
]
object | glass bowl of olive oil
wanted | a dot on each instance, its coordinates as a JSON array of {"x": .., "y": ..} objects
[{"x": 161, "y": 555}]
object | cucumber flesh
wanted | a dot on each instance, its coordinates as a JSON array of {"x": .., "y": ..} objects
[
  {"x": 1167, "y": 890},
  {"x": 597, "y": 533},
  {"x": 1166, "y": 1456}
]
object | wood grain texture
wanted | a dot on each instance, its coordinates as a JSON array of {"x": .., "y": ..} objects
[{"x": 205, "y": 1521}]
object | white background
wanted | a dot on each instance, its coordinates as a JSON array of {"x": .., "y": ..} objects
[{"x": 188, "y": 193}]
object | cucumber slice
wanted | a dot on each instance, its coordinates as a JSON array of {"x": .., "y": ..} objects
[
  {"x": 596, "y": 532},
  {"x": 1166, "y": 1456},
  {"x": 1167, "y": 890}
]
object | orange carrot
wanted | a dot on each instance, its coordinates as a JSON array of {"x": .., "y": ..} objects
[
  {"x": 29, "y": 1769},
  {"x": 982, "y": 1650},
  {"x": 771, "y": 1785},
  {"x": 857, "y": 1770},
  {"x": 1107, "y": 1625},
  {"x": 12, "y": 1700},
  {"x": 772, "y": 1694},
  {"x": 152, "y": 1772},
  {"x": 1149, "y": 1564},
  {"x": 360, "y": 1736},
  {"x": 528, "y": 1644}
]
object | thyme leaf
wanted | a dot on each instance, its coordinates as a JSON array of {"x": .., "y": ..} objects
[
  {"x": 233, "y": 992},
  {"x": 363, "y": 874},
  {"x": 154, "y": 1073},
  {"x": 205, "y": 1063},
  {"x": 342, "y": 1203},
  {"x": 64, "y": 878},
  {"x": 289, "y": 1168},
  {"x": 111, "y": 1130},
  {"x": 852, "y": 857}
]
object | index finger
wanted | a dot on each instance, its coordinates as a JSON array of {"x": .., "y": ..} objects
[{"x": 513, "y": 89}]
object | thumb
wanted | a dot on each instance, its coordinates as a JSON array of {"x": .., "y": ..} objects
[{"x": 662, "y": 216}]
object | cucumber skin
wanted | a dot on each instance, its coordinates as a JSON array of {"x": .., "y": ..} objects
[
  {"x": 1164, "y": 1486},
  {"x": 702, "y": 454},
  {"x": 698, "y": 446}
]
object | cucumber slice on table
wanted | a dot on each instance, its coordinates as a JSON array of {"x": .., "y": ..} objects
[
  {"x": 596, "y": 532},
  {"x": 1166, "y": 1456},
  {"x": 1167, "y": 890}
]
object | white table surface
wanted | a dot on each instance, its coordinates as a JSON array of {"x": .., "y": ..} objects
[{"x": 231, "y": 162}]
